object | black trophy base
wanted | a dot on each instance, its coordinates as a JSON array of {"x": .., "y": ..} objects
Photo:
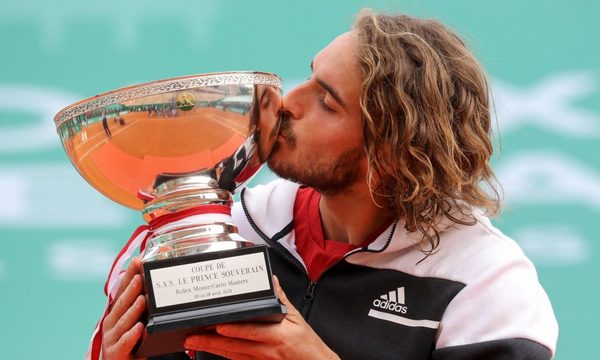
[
  {"x": 166, "y": 333},
  {"x": 191, "y": 294}
]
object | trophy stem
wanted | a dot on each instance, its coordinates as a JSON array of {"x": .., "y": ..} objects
[{"x": 189, "y": 215}]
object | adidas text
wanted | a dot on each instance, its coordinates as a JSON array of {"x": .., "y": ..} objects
[{"x": 390, "y": 305}]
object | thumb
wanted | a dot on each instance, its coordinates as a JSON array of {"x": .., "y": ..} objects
[{"x": 282, "y": 297}]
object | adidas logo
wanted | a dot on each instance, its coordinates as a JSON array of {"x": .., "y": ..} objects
[{"x": 394, "y": 300}]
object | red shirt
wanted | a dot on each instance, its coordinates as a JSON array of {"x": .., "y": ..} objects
[{"x": 317, "y": 252}]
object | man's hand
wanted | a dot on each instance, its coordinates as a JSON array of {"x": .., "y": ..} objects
[
  {"x": 121, "y": 328},
  {"x": 293, "y": 338}
]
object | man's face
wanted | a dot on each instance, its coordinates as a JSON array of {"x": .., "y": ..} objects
[{"x": 320, "y": 143}]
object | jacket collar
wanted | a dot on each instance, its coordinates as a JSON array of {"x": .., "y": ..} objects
[{"x": 271, "y": 207}]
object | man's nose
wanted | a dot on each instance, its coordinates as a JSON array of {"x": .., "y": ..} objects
[{"x": 294, "y": 101}]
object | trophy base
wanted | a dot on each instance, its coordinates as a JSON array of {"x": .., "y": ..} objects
[
  {"x": 166, "y": 333},
  {"x": 191, "y": 294}
]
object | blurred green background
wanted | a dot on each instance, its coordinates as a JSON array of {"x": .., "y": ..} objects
[{"x": 58, "y": 236}]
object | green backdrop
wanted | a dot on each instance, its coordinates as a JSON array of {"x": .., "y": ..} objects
[{"x": 58, "y": 236}]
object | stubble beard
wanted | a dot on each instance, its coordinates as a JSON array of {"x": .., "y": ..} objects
[{"x": 327, "y": 177}]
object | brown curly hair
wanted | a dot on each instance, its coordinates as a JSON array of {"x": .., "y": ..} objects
[{"x": 427, "y": 125}]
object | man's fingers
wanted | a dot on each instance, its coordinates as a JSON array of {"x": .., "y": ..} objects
[
  {"x": 131, "y": 316},
  {"x": 223, "y": 346},
  {"x": 124, "y": 302},
  {"x": 228, "y": 354},
  {"x": 132, "y": 269},
  {"x": 266, "y": 333},
  {"x": 128, "y": 340},
  {"x": 262, "y": 332},
  {"x": 125, "y": 322},
  {"x": 283, "y": 298},
  {"x": 279, "y": 291}
]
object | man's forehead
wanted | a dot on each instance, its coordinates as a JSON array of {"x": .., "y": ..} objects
[
  {"x": 344, "y": 44},
  {"x": 337, "y": 63}
]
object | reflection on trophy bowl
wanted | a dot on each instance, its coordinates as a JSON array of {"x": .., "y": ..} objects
[
  {"x": 123, "y": 141},
  {"x": 177, "y": 149}
]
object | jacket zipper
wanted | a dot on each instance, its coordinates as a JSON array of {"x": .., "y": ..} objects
[
  {"x": 312, "y": 285},
  {"x": 308, "y": 298}
]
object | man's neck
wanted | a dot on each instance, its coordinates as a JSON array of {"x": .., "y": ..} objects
[{"x": 353, "y": 216}]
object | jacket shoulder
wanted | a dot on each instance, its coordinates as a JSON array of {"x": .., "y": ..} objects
[{"x": 268, "y": 207}]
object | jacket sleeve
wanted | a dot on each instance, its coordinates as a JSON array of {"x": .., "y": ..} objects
[
  {"x": 508, "y": 349},
  {"x": 502, "y": 313}
]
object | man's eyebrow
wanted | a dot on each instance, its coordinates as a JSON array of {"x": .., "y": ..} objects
[
  {"x": 329, "y": 89},
  {"x": 334, "y": 94}
]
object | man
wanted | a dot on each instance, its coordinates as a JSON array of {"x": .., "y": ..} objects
[{"x": 383, "y": 252}]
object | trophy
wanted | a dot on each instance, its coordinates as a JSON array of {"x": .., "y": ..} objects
[{"x": 177, "y": 149}]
